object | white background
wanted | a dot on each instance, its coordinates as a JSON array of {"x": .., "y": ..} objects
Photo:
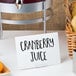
[{"x": 8, "y": 57}]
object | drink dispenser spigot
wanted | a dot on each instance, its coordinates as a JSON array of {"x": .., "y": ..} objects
[
  {"x": 19, "y": 3},
  {"x": 13, "y": 12}
]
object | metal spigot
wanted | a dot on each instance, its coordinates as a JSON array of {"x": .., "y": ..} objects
[{"x": 19, "y": 3}]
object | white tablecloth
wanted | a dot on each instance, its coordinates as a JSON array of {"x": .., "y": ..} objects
[{"x": 8, "y": 56}]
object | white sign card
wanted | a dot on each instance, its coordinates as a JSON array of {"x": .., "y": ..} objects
[{"x": 37, "y": 50}]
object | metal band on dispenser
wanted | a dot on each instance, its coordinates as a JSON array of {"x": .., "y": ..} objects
[
  {"x": 19, "y": 22},
  {"x": 26, "y": 8}
]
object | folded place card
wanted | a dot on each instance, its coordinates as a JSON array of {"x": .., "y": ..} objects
[{"x": 37, "y": 50}]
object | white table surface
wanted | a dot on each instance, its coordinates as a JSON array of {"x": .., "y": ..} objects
[{"x": 8, "y": 56}]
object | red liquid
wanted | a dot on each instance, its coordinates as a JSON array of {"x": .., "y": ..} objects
[{"x": 24, "y": 1}]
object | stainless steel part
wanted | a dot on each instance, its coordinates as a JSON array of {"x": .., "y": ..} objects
[{"x": 25, "y": 8}]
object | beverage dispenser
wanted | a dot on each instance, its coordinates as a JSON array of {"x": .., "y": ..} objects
[{"x": 16, "y": 10}]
